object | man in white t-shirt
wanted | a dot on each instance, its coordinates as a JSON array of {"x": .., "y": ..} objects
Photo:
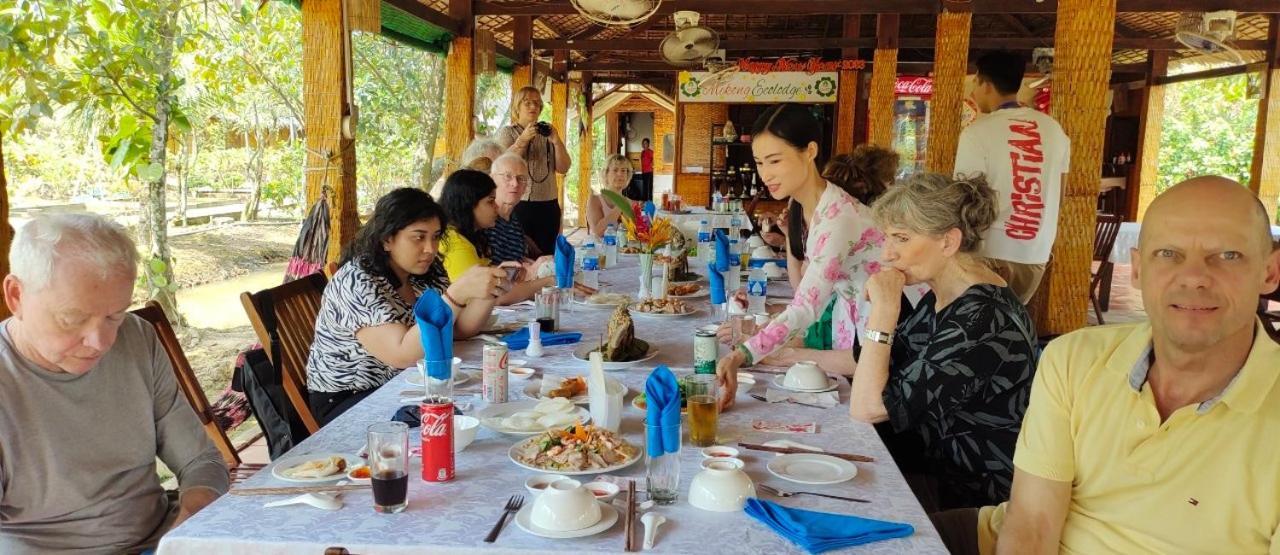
[{"x": 1023, "y": 154}]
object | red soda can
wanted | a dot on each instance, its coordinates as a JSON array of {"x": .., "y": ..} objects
[{"x": 437, "y": 439}]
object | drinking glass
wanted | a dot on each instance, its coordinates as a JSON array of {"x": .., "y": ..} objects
[
  {"x": 662, "y": 473},
  {"x": 389, "y": 465},
  {"x": 704, "y": 412},
  {"x": 437, "y": 377}
]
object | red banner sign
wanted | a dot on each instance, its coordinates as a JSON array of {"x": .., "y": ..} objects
[
  {"x": 807, "y": 65},
  {"x": 913, "y": 85}
]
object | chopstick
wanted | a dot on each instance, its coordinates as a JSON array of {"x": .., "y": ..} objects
[
  {"x": 629, "y": 528},
  {"x": 299, "y": 489},
  {"x": 793, "y": 450}
]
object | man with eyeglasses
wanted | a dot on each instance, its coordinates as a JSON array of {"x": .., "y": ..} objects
[{"x": 508, "y": 241}]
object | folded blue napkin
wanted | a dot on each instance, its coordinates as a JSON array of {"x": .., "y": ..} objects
[
  {"x": 650, "y": 209},
  {"x": 716, "y": 269},
  {"x": 564, "y": 263},
  {"x": 722, "y": 250},
  {"x": 435, "y": 326},
  {"x": 662, "y": 397},
  {"x": 520, "y": 339},
  {"x": 817, "y": 532}
]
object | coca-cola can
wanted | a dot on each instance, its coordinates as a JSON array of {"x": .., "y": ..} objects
[
  {"x": 493, "y": 370},
  {"x": 437, "y": 439}
]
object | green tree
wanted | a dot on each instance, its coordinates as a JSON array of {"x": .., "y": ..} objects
[{"x": 1208, "y": 128}]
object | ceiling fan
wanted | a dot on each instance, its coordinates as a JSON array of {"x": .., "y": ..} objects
[
  {"x": 616, "y": 12},
  {"x": 690, "y": 44},
  {"x": 1210, "y": 34}
]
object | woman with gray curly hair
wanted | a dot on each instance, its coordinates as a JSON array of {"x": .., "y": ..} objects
[{"x": 950, "y": 378}]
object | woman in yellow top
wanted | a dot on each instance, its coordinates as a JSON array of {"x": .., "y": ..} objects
[{"x": 470, "y": 202}]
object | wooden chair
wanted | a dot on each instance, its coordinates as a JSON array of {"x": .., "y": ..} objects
[
  {"x": 295, "y": 306},
  {"x": 1270, "y": 318},
  {"x": 154, "y": 314},
  {"x": 1104, "y": 240}
]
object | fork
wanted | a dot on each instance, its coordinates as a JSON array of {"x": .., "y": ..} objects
[
  {"x": 784, "y": 493},
  {"x": 513, "y": 505},
  {"x": 760, "y": 397}
]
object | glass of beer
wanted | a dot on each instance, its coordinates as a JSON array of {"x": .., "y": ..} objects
[
  {"x": 704, "y": 410},
  {"x": 389, "y": 466}
]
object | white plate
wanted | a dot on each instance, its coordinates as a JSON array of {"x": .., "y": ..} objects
[
  {"x": 832, "y": 383},
  {"x": 608, "y": 517},
  {"x": 511, "y": 454},
  {"x": 813, "y": 469},
  {"x": 534, "y": 390},
  {"x": 636, "y": 313},
  {"x": 278, "y": 470},
  {"x": 583, "y": 353},
  {"x": 415, "y": 378},
  {"x": 504, "y": 410},
  {"x": 699, "y": 280},
  {"x": 583, "y": 303}
]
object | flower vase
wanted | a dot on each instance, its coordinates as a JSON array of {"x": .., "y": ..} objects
[{"x": 646, "y": 275}]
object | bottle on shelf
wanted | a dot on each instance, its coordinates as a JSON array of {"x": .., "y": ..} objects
[{"x": 731, "y": 182}]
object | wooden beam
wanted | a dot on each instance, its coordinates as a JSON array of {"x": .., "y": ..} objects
[
  {"x": 884, "y": 74},
  {"x": 661, "y": 93},
  {"x": 459, "y": 99},
  {"x": 559, "y": 117},
  {"x": 461, "y": 11},
  {"x": 1211, "y": 73},
  {"x": 1017, "y": 24},
  {"x": 1142, "y": 187},
  {"x": 950, "y": 68},
  {"x": 522, "y": 33},
  {"x": 586, "y": 146},
  {"x": 905, "y": 7},
  {"x": 330, "y": 168},
  {"x": 421, "y": 11},
  {"x": 6, "y": 229},
  {"x": 829, "y": 43},
  {"x": 847, "y": 95},
  {"x": 1264, "y": 176},
  {"x": 1083, "y": 55},
  {"x": 521, "y": 77}
]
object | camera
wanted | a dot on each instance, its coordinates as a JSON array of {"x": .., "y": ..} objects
[{"x": 543, "y": 128}]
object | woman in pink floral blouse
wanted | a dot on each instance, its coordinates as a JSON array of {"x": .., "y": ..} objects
[{"x": 842, "y": 246}]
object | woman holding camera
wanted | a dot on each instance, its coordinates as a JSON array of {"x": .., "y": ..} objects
[{"x": 542, "y": 149}]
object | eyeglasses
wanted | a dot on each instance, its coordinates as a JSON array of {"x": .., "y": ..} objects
[{"x": 521, "y": 179}]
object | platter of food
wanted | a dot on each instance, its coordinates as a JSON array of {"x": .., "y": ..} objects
[
  {"x": 575, "y": 450},
  {"x": 314, "y": 468},
  {"x": 619, "y": 345},
  {"x": 573, "y": 388},
  {"x": 663, "y": 308},
  {"x": 604, "y": 300},
  {"x": 531, "y": 417},
  {"x": 688, "y": 290}
]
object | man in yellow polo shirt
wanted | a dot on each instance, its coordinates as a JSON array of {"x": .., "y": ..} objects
[
  {"x": 1158, "y": 437},
  {"x": 1161, "y": 437}
]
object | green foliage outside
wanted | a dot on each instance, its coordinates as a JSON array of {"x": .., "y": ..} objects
[{"x": 1208, "y": 128}]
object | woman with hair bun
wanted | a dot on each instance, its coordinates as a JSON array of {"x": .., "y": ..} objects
[{"x": 949, "y": 380}]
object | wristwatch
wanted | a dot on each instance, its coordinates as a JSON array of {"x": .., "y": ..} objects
[{"x": 878, "y": 336}]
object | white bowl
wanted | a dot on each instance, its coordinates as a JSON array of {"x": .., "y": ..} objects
[
  {"x": 731, "y": 462},
  {"x": 721, "y": 487},
  {"x": 464, "y": 431},
  {"x": 520, "y": 372},
  {"x": 565, "y": 506},
  {"x": 538, "y": 484},
  {"x": 719, "y": 452},
  {"x": 755, "y": 241},
  {"x": 762, "y": 252},
  {"x": 772, "y": 269},
  {"x": 603, "y": 491},
  {"x": 805, "y": 375}
]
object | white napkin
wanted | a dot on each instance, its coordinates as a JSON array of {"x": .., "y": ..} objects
[
  {"x": 826, "y": 399},
  {"x": 597, "y": 391}
]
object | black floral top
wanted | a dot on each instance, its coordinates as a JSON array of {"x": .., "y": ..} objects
[{"x": 959, "y": 382}]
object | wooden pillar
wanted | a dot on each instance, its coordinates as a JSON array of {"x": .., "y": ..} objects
[
  {"x": 884, "y": 73},
  {"x": 326, "y": 97},
  {"x": 586, "y": 146},
  {"x": 522, "y": 76},
  {"x": 1081, "y": 71},
  {"x": 560, "y": 112},
  {"x": 6, "y": 229},
  {"x": 460, "y": 87},
  {"x": 951, "y": 60},
  {"x": 1264, "y": 178},
  {"x": 1143, "y": 189},
  {"x": 847, "y": 97}
]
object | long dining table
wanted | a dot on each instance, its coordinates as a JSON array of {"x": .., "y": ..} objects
[{"x": 455, "y": 516}]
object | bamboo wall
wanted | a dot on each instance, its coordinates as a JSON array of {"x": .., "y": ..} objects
[
  {"x": 559, "y": 117},
  {"x": 884, "y": 75},
  {"x": 846, "y": 110},
  {"x": 586, "y": 144},
  {"x": 521, "y": 76},
  {"x": 459, "y": 100},
  {"x": 1081, "y": 70},
  {"x": 331, "y": 157},
  {"x": 951, "y": 59},
  {"x": 694, "y": 122},
  {"x": 1265, "y": 175},
  {"x": 1149, "y": 147}
]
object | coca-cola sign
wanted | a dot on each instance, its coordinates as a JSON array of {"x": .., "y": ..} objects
[
  {"x": 435, "y": 424},
  {"x": 913, "y": 85}
]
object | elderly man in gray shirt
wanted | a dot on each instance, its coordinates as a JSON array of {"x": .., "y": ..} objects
[{"x": 88, "y": 401}]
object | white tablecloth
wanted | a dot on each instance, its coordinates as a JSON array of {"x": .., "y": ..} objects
[
  {"x": 454, "y": 517},
  {"x": 1127, "y": 239}
]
